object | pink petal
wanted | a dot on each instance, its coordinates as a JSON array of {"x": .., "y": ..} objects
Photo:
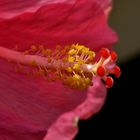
[
  {"x": 30, "y": 106},
  {"x": 69, "y": 121},
  {"x": 105, "y": 3},
  {"x": 64, "y": 27},
  {"x": 11, "y": 8}
]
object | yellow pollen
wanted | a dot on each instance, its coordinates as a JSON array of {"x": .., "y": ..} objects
[
  {"x": 71, "y": 59},
  {"x": 69, "y": 69},
  {"x": 74, "y": 56},
  {"x": 76, "y": 67},
  {"x": 63, "y": 63},
  {"x": 85, "y": 51},
  {"x": 72, "y": 52},
  {"x": 91, "y": 55},
  {"x": 33, "y": 48},
  {"x": 76, "y": 77}
]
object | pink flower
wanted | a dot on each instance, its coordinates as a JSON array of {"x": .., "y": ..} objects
[{"x": 31, "y": 108}]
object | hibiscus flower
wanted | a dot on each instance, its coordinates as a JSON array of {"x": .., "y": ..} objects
[{"x": 58, "y": 79}]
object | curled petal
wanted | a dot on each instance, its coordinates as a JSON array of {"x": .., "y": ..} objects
[
  {"x": 11, "y": 8},
  {"x": 69, "y": 121},
  {"x": 31, "y": 106},
  {"x": 16, "y": 5},
  {"x": 106, "y": 5},
  {"x": 64, "y": 27}
]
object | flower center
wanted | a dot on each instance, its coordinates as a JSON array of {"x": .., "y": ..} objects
[{"x": 74, "y": 65}]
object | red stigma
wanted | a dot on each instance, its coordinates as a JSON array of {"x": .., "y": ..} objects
[
  {"x": 113, "y": 55},
  {"x": 109, "y": 82},
  {"x": 101, "y": 71},
  {"x": 117, "y": 71},
  {"x": 104, "y": 52},
  {"x": 105, "y": 68}
]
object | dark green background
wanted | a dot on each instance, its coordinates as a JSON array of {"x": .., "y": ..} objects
[{"x": 125, "y": 19}]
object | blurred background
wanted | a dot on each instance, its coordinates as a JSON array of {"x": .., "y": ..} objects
[
  {"x": 125, "y": 19},
  {"x": 119, "y": 116}
]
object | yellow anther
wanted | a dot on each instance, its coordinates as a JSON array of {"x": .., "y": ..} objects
[
  {"x": 91, "y": 54},
  {"x": 71, "y": 62},
  {"x": 87, "y": 81},
  {"x": 80, "y": 62},
  {"x": 76, "y": 77},
  {"x": 49, "y": 51},
  {"x": 77, "y": 83},
  {"x": 69, "y": 69},
  {"x": 33, "y": 48},
  {"x": 79, "y": 47},
  {"x": 45, "y": 52},
  {"x": 85, "y": 51},
  {"x": 76, "y": 67},
  {"x": 78, "y": 59},
  {"x": 71, "y": 59},
  {"x": 76, "y": 80},
  {"x": 73, "y": 46},
  {"x": 72, "y": 52}
]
